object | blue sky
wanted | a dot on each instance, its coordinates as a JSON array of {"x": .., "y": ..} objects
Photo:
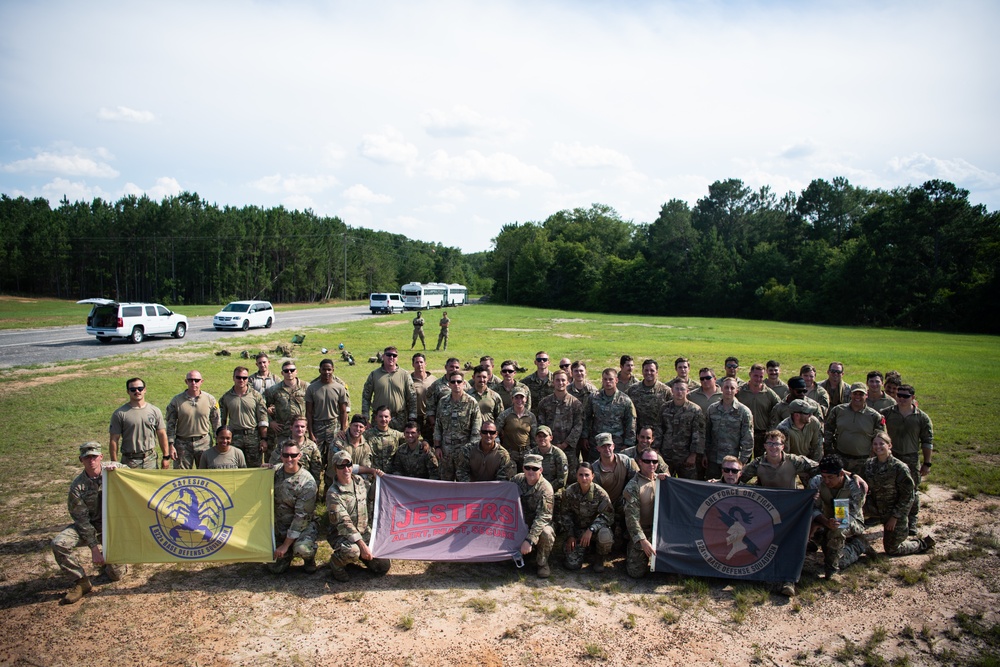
[{"x": 446, "y": 120}]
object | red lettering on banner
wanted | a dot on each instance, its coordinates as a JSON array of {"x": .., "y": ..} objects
[
  {"x": 472, "y": 511},
  {"x": 399, "y": 525},
  {"x": 438, "y": 514},
  {"x": 507, "y": 515},
  {"x": 420, "y": 516}
]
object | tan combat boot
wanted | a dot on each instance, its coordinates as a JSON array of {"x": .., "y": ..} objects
[
  {"x": 75, "y": 594},
  {"x": 543, "y": 569}
]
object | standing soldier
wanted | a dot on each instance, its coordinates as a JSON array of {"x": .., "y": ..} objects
[
  {"x": 517, "y": 427},
  {"x": 505, "y": 388},
  {"x": 457, "y": 423},
  {"x": 683, "y": 426},
  {"x": 263, "y": 379},
  {"x": 708, "y": 392},
  {"x": 327, "y": 405},
  {"x": 609, "y": 411},
  {"x": 392, "y": 387},
  {"x": 347, "y": 510},
  {"x": 444, "y": 322},
  {"x": 587, "y": 517},
  {"x": 138, "y": 427},
  {"x": 537, "y": 504},
  {"x": 539, "y": 383},
  {"x": 191, "y": 416},
  {"x": 851, "y": 427},
  {"x": 640, "y": 503},
  {"x": 834, "y": 385},
  {"x": 564, "y": 415},
  {"x": 294, "y": 506},
  {"x": 912, "y": 433},
  {"x": 490, "y": 402},
  {"x": 243, "y": 410},
  {"x": 383, "y": 439},
  {"x": 761, "y": 400},
  {"x": 284, "y": 401},
  {"x": 649, "y": 397},
  {"x": 84, "y": 503},
  {"x": 422, "y": 382},
  {"x": 773, "y": 380},
  {"x": 815, "y": 391},
  {"x": 418, "y": 330},
  {"x": 803, "y": 431},
  {"x": 682, "y": 367},
  {"x": 728, "y": 432}
]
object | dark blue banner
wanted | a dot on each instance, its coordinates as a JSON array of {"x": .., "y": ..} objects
[{"x": 737, "y": 532}]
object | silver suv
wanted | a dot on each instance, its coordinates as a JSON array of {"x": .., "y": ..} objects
[{"x": 109, "y": 319}]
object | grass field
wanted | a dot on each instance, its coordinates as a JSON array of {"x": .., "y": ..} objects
[
  {"x": 47, "y": 412},
  {"x": 29, "y": 313}
]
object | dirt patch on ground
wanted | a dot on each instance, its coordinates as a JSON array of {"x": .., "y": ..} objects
[
  {"x": 390, "y": 323},
  {"x": 569, "y": 335},
  {"x": 925, "y": 608},
  {"x": 645, "y": 324},
  {"x": 517, "y": 330},
  {"x": 569, "y": 320}
]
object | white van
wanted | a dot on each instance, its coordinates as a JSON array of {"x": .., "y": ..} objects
[{"x": 385, "y": 302}]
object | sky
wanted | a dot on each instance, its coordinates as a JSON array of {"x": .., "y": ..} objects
[{"x": 444, "y": 121}]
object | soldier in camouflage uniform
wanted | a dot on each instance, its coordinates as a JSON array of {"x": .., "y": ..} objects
[
  {"x": 850, "y": 428},
  {"x": 350, "y": 532},
  {"x": 294, "y": 505},
  {"x": 505, "y": 388},
  {"x": 803, "y": 431},
  {"x": 912, "y": 434},
  {"x": 284, "y": 401},
  {"x": 841, "y": 546},
  {"x": 263, "y": 379},
  {"x": 640, "y": 503},
  {"x": 537, "y": 502},
  {"x": 683, "y": 426},
  {"x": 564, "y": 415},
  {"x": 643, "y": 442},
  {"x": 759, "y": 398},
  {"x": 708, "y": 392},
  {"x": 484, "y": 461},
  {"x": 84, "y": 504},
  {"x": 539, "y": 383},
  {"x": 609, "y": 411},
  {"x": 729, "y": 431},
  {"x": 587, "y": 516},
  {"x": 327, "y": 405},
  {"x": 353, "y": 442},
  {"x": 445, "y": 324},
  {"x": 457, "y": 423},
  {"x": 418, "y": 330},
  {"x": 244, "y": 411},
  {"x": 649, "y": 397},
  {"x": 414, "y": 457},
  {"x": 891, "y": 492},
  {"x": 554, "y": 466},
  {"x": 192, "y": 417},
  {"x": 391, "y": 386},
  {"x": 796, "y": 392},
  {"x": 439, "y": 389},
  {"x": 383, "y": 440},
  {"x": 310, "y": 458},
  {"x": 517, "y": 427},
  {"x": 626, "y": 374},
  {"x": 490, "y": 402}
]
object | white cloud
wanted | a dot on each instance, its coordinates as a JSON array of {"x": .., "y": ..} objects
[
  {"x": 502, "y": 193},
  {"x": 58, "y": 188},
  {"x": 165, "y": 186},
  {"x": 474, "y": 167},
  {"x": 67, "y": 165},
  {"x": 452, "y": 194},
  {"x": 589, "y": 157},
  {"x": 462, "y": 121},
  {"x": 299, "y": 203},
  {"x": 360, "y": 193},
  {"x": 919, "y": 168},
  {"x": 126, "y": 114},
  {"x": 388, "y": 148},
  {"x": 294, "y": 184},
  {"x": 334, "y": 155},
  {"x": 799, "y": 150}
]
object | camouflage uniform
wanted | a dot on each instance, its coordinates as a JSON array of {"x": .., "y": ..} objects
[
  {"x": 565, "y": 418},
  {"x": 729, "y": 432},
  {"x": 554, "y": 468},
  {"x": 640, "y": 503},
  {"x": 326, "y": 401},
  {"x": 760, "y": 404},
  {"x": 294, "y": 507},
  {"x": 683, "y": 428},
  {"x": 244, "y": 415},
  {"x": 703, "y": 400},
  {"x": 445, "y": 324},
  {"x": 475, "y": 465},
  {"x": 421, "y": 389},
  {"x": 840, "y": 548},
  {"x": 537, "y": 389},
  {"x": 537, "y": 504},
  {"x": 393, "y": 390},
  {"x": 781, "y": 476},
  {"x": 384, "y": 445},
  {"x": 516, "y": 433},
  {"x": 580, "y": 512},
  {"x": 633, "y": 453},
  {"x": 783, "y": 411},
  {"x": 508, "y": 396},
  {"x": 191, "y": 422},
  {"x": 838, "y": 395},
  {"x": 457, "y": 424},
  {"x": 418, "y": 332},
  {"x": 310, "y": 458},
  {"x": 261, "y": 383},
  {"x": 490, "y": 403},
  {"x": 781, "y": 389},
  {"x": 361, "y": 455},
  {"x": 881, "y": 404},
  {"x": 849, "y": 433},
  {"x": 648, "y": 403},
  {"x": 805, "y": 441},
  {"x": 84, "y": 504},
  {"x": 819, "y": 395},
  {"x": 583, "y": 395},
  {"x": 611, "y": 414},
  {"x": 348, "y": 512},
  {"x": 910, "y": 435},
  {"x": 287, "y": 402},
  {"x": 614, "y": 482},
  {"x": 890, "y": 494},
  {"x": 414, "y": 462}
]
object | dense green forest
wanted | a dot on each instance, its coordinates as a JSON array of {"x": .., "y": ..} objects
[{"x": 922, "y": 257}]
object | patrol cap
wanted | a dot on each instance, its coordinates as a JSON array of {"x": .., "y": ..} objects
[
  {"x": 798, "y": 405},
  {"x": 90, "y": 448},
  {"x": 604, "y": 439},
  {"x": 796, "y": 383},
  {"x": 546, "y": 430},
  {"x": 859, "y": 386},
  {"x": 519, "y": 391},
  {"x": 533, "y": 460},
  {"x": 341, "y": 457}
]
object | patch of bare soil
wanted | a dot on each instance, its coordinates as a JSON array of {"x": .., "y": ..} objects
[
  {"x": 917, "y": 607},
  {"x": 391, "y": 323}
]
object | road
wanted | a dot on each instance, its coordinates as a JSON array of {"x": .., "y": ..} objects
[{"x": 26, "y": 347}]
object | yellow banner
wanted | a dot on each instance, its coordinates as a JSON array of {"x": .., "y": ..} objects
[{"x": 183, "y": 516}]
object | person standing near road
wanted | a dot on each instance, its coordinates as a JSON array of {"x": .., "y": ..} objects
[
  {"x": 284, "y": 401},
  {"x": 418, "y": 330},
  {"x": 327, "y": 405},
  {"x": 138, "y": 427},
  {"x": 243, "y": 410},
  {"x": 192, "y": 416},
  {"x": 444, "y": 323}
]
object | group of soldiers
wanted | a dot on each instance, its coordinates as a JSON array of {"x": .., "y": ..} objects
[{"x": 858, "y": 444}]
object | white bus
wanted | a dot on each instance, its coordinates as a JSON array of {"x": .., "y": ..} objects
[
  {"x": 458, "y": 295},
  {"x": 420, "y": 297}
]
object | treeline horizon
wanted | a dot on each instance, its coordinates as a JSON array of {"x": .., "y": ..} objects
[{"x": 913, "y": 257}]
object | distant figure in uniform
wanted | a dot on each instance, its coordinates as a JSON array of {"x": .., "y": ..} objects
[
  {"x": 443, "y": 336},
  {"x": 418, "y": 330}
]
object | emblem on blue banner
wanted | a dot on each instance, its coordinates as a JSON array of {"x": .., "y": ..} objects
[
  {"x": 191, "y": 517},
  {"x": 737, "y": 531}
]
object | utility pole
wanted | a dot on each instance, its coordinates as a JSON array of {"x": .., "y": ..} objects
[{"x": 345, "y": 266}]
